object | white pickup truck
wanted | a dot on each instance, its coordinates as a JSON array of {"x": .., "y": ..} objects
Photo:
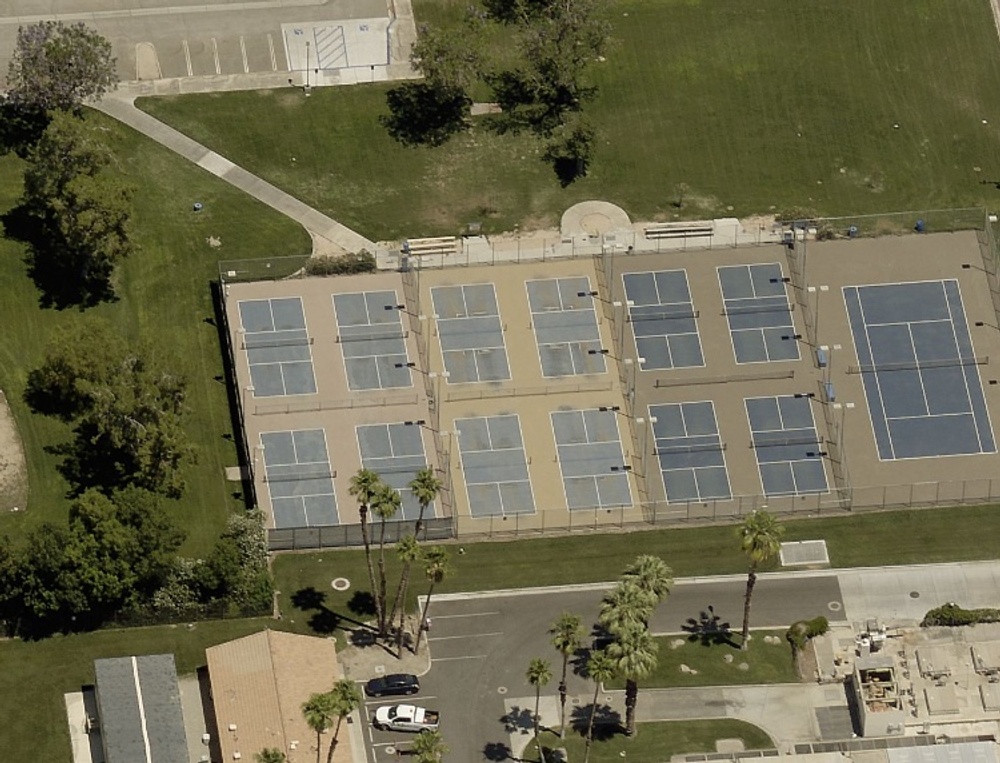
[{"x": 406, "y": 718}]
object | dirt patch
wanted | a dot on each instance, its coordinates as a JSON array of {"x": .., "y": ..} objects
[{"x": 13, "y": 470}]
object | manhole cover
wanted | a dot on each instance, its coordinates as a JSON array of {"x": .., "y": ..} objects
[
  {"x": 914, "y": 594},
  {"x": 340, "y": 584},
  {"x": 834, "y": 606},
  {"x": 501, "y": 690},
  {"x": 390, "y": 750},
  {"x": 575, "y": 701}
]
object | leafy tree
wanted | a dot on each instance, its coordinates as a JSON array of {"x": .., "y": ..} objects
[
  {"x": 425, "y": 487},
  {"x": 626, "y": 606},
  {"x": 436, "y": 569},
  {"x": 454, "y": 61},
  {"x": 408, "y": 551},
  {"x": 318, "y": 712},
  {"x": 385, "y": 504},
  {"x": 601, "y": 668},
  {"x": 566, "y": 638},
  {"x": 57, "y": 66},
  {"x": 429, "y": 747},
  {"x": 270, "y": 755},
  {"x": 126, "y": 407},
  {"x": 364, "y": 487},
  {"x": 425, "y": 114},
  {"x": 634, "y": 652},
  {"x": 79, "y": 206},
  {"x": 345, "y": 698},
  {"x": 570, "y": 151},
  {"x": 236, "y": 569},
  {"x": 760, "y": 539},
  {"x": 539, "y": 674}
]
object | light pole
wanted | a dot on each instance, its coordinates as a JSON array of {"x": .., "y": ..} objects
[
  {"x": 817, "y": 290},
  {"x": 438, "y": 376},
  {"x": 647, "y": 426},
  {"x": 308, "y": 64},
  {"x": 248, "y": 392}
]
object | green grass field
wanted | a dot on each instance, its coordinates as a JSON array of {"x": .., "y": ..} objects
[
  {"x": 165, "y": 299},
  {"x": 756, "y": 109},
  {"x": 655, "y": 742}
]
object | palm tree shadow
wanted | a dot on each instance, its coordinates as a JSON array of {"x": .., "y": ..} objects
[
  {"x": 709, "y": 629},
  {"x": 519, "y": 719},
  {"x": 607, "y": 721},
  {"x": 497, "y": 752},
  {"x": 323, "y": 619}
]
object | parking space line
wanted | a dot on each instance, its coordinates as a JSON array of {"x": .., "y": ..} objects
[
  {"x": 187, "y": 57},
  {"x": 270, "y": 47},
  {"x": 467, "y": 657},
  {"x": 469, "y": 635},
  {"x": 470, "y": 614},
  {"x": 215, "y": 55},
  {"x": 392, "y": 700},
  {"x": 243, "y": 52}
]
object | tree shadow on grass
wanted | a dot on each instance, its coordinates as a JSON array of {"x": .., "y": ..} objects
[
  {"x": 324, "y": 620},
  {"x": 709, "y": 629},
  {"x": 607, "y": 721}
]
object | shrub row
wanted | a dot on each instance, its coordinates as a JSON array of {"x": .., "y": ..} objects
[
  {"x": 800, "y": 633},
  {"x": 952, "y": 614},
  {"x": 344, "y": 265}
]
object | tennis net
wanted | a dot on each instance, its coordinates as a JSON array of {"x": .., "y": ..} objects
[
  {"x": 324, "y": 472},
  {"x": 867, "y": 368},
  {"x": 781, "y": 307},
  {"x": 782, "y": 442},
  {"x": 374, "y": 336},
  {"x": 660, "y": 315},
  {"x": 259, "y": 341},
  {"x": 669, "y": 450}
]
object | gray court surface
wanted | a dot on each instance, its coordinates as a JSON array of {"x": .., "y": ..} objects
[
  {"x": 299, "y": 478},
  {"x": 277, "y": 346},
  {"x": 371, "y": 335},
  {"x": 495, "y": 466},
  {"x": 663, "y": 320},
  {"x": 396, "y": 453},
  {"x": 471, "y": 333},
  {"x": 591, "y": 459},
  {"x": 919, "y": 370},
  {"x": 562, "y": 313},
  {"x": 690, "y": 452},
  {"x": 760, "y": 315},
  {"x": 788, "y": 449}
]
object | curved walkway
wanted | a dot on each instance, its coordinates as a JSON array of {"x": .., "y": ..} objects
[{"x": 319, "y": 225}]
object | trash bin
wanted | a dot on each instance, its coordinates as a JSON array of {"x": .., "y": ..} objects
[
  {"x": 198, "y": 206},
  {"x": 919, "y": 227},
  {"x": 852, "y": 232}
]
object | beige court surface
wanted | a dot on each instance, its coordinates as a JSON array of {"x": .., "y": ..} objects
[{"x": 440, "y": 404}]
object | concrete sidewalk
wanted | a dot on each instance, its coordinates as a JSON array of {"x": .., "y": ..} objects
[{"x": 319, "y": 225}]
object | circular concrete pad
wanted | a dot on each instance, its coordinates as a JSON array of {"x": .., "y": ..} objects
[{"x": 593, "y": 218}]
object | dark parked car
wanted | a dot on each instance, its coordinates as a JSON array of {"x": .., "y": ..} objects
[{"x": 392, "y": 685}]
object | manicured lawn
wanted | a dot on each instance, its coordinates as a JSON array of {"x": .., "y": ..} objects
[
  {"x": 756, "y": 109},
  {"x": 655, "y": 742},
  {"x": 706, "y": 656},
  {"x": 165, "y": 299},
  {"x": 901, "y": 537},
  {"x": 37, "y": 674}
]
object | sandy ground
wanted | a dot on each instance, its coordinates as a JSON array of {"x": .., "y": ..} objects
[{"x": 13, "y": 471}]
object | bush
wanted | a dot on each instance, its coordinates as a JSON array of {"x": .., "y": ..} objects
[
  {"x": 799, "y": 633},
  {"x": 344, "y": 265},
  {"x": 952, "y": 614}
]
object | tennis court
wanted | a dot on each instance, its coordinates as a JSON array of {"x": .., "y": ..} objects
[
  {"x": 690, "y": 452},
  {"x": 919, "y": 370},
  {"x": 396, "y": 453},
  {"x": 788, "y": 448},
  {"x": 565, "y": 324},
  {"x": 495, "y": 466},
  {"x": 299, "y": 478},
  {"x": 471, "y": 333},
  {"x": 664, "y": 321},
  {"x": 277, "y": 345},
  {"x": 371, "y": 336},
  {"x": 759, "y": 313},
  {"x": 591, "y": 458}
]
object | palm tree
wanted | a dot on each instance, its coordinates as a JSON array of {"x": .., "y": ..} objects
[
  {"x": 429, "y": 747},
  {"x": 760, "y": 539},
  {"x": 539, "y": 674},
  {"x": 652, "y": 575},
  {"x": 269, "y": 755},
  {"x": 436, "y": 569},
  {"x": 345, "y": 698},
  {"x": 601, "y": 668},
  {"x": 318, "y": 712},
  {"x": 408, "y": 551},
  {"x": 634, "y": 652},
  {"x": 626, "y": 605},
  {"x": 385, "y": 505},
  {"x": 425, "y": 487},
  {"x": 364, "y": 486},
  {"x": 566, "y": 638}
]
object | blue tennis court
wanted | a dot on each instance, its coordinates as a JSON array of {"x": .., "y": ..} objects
[
  {"x": 690, "y": 452},
  {"x": 759, "y": 313},
  {"x": 299, "y": 478},
  {"x": 663, "y": 318},
  {"x": 919, "y": 370},
  {"x": 371, "y": 335},
  {"x": 277, "y": 345},
  {"x": 591, "y": 459},
  {"x": 495, "y": 466},
  {"x": 396, "y": 453},
  {"x": 565, "y": 323},
  {"x": 471, "y": 333},
  {"x": 788, "y": 448}
]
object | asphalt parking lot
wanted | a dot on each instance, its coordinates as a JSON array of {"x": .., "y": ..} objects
[{"x": 481, "y": 647}]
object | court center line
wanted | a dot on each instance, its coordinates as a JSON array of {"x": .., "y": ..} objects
[{"x": 920, "y": 374}]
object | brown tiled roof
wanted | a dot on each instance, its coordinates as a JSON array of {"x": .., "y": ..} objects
[{"x": 259, "y": 683}]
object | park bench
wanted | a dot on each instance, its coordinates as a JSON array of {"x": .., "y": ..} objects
[
  {"x": 419, "y": 247},
  {"x": 679, "y": 230}
]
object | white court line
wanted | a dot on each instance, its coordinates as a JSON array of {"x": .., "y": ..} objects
[
  {"x": 468, "y": 657},
  {"x": 471, "y": 614},
  {"x": 469, "y": 635},
  {"x": 920, "y": 374},
  {"x": 878, "y": 385}
]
